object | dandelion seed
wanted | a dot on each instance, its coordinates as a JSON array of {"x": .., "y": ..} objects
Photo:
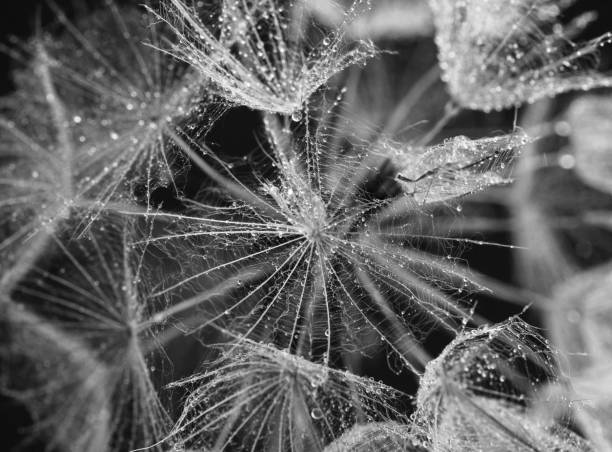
[
  {"x": 82, "y": 334},
  {"x": 497, "y": 55},
  {"x": 459, "y": 166},
  {"x": 125, "y": 94},
  {"x": 476, "y": 395},
  {"x": 264, "y": 68},
  {"x": 257, "y": 397},
  {"x": 329, "y": 261},
  {"x": 117, "y": 147}
]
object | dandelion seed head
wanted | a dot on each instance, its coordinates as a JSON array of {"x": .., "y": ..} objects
[
  {"x": 329, "y": 268},
  {"x": 301, "y": 205}
]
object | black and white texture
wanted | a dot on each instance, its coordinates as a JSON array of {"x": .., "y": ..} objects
[{"x": 306, "y": 225}]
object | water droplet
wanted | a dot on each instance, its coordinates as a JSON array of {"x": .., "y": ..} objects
[
  {"x": 567, "y": 161},
  {"x": 296, "y": 116},
  {"x": 316, "y": 413}
]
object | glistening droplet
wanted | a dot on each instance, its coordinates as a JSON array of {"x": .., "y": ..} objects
[
  {"x": 296, "y": 115},
  {"x": 316, "y": 413}
]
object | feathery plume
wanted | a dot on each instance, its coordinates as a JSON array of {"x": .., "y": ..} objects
[
  {"x": 255, "y": 397},
  {"x": 80, "y": 342},
  {"x": 85, "y": 127},
  {"x": 253, "y": 59},
  {"x": 457, "y": 167},
  {"x": 499, "y": 54},
  {"x": 120, "y": 99},
  {"x": 331, "y": 263},
  {"x": 476, "y": 394}
]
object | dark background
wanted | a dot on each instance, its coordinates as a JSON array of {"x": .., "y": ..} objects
[{"x": 19, "y": 19}]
